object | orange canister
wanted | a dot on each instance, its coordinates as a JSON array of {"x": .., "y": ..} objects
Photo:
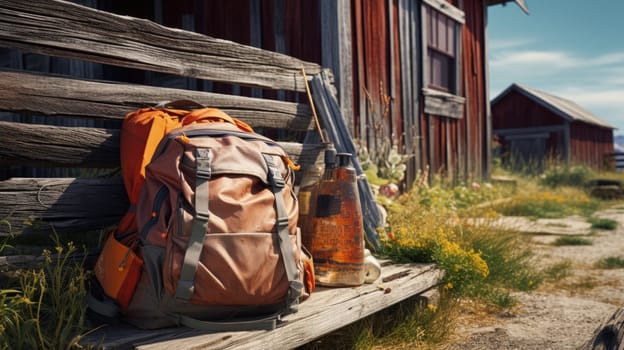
[{"x": 336, "y": 239}]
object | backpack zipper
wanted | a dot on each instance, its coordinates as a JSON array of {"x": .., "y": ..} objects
[
  {"x": 160, "y": 197},
  {"x": 180, "y": 215}
]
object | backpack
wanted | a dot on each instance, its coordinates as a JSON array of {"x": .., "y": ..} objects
[
  {"x": 215, "y": 228},
  {"x": 118, "y": 267}
]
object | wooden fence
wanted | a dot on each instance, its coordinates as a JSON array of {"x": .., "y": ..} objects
[{"x": 617, "y": 160}]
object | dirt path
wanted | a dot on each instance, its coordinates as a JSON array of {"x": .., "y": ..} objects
[{"x": 562, "y": 315}]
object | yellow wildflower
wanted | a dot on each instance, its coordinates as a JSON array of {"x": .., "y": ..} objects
[{"x": 432, "y": 307}]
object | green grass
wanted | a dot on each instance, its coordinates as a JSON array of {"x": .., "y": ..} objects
[
  {"x": 583, "y": 284},
  {"x": 612, "y": 262},
  {"x": 45, "y": 308},
  {"x": 602, "y": 224},
  {"x": 549, "y": 204},
  {"x": 561, "y": 175},
  {"x": 557, "y": 272},
  {"x": 481, "y": 262},
  {"x": 571, "y": 240},
  {"x": 410, "y": 324},
  {"x": 508, "y": 257}
]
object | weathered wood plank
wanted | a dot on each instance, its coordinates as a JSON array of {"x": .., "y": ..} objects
[
  {"x": 59, "y": 28},
  {"x": 75, "y": 205},
  {"x": 18, "y": 262},
  {"x": 34, "y": 144},
  {"x": 47, "y": 145},
  {"x": 443, "y": 104},
  {"x": 609, "y": 335},
  {"x": 54, "y": 95},
  {"x": 327, "y": 309},
  {"x": 65, "y": 204},
  {"x": 336, "y": 49}
]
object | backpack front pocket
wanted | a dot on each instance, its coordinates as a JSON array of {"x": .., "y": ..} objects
[{"x": 233, "y": 269}]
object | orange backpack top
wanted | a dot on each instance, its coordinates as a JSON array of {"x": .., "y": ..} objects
[{"x": 141, "y": 132}]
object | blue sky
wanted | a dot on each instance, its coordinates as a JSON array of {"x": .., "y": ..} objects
[{"x": 570, "y": 48}]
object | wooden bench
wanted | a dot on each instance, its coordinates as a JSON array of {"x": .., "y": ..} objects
[
  {"x": 326, "y": 310},
  {"x": 88, "y": 202}
]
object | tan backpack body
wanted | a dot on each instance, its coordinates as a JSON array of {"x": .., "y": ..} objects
[{"x": 217, "y": 216}]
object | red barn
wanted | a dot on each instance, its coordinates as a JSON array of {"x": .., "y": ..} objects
[
  {"x": 408, "y": 73},
  {"x": 535, "y": 126}
]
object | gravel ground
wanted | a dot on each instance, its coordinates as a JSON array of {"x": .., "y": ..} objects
[{"x": 560, "y": 316}]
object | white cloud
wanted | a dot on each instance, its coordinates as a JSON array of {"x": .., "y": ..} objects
[
  {"x": 616, "y": 79},
  {"x": 614, "y": 58},
  {"x": 522, "y": 58},
  {"x": 588, "y": 97},
  {"x": 507, "y": 44},
  {"x": 554, "y": 59}
]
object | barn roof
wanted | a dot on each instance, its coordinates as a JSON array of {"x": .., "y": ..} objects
[
  {"x": 565, "y": 108},
  {"x": 520, "y": 3}
]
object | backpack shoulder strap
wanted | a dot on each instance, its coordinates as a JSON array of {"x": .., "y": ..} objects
[
  {"x": 185, "y": 288},
  {"x": 288, "y": 256}
]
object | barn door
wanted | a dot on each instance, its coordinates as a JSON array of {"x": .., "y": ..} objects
[{"x": 528, "y": 152}]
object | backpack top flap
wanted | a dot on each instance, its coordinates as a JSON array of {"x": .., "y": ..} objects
[{"x": 240, "y": 197}]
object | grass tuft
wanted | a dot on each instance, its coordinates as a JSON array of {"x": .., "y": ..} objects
[
  {"x": 411, "y": 324},
  {"x": 557, "y": 271},
  {"x": 602, "y": 224},
  {"x": 549, "y": 204},
  {"x": 571, "y": 240},
  {"x": 45, "y": 308},
  {"x": 562, "y": 175},
  {"x": 612, "y": 262}
]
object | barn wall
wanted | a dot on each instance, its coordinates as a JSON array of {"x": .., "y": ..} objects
[
  {"x": 371, "y": 84},
  {"x": 386, "y": 68},
  {"x": 471, "y": 130},
  {"x": 589, "y": 144},
  {"x": 457, "y": 148},
  {"x": 515, "y": 110}
]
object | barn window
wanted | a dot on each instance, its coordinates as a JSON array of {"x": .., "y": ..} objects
[
  {"x": 441, "y": 50},
  {"x": 441, "y": 53}
]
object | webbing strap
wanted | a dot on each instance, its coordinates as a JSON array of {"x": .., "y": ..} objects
[
  {"x": 184, "y": 291},
  {"x": 288, "y": 256},
  {"x": 268, "y": 323},
  {"x": 107, "y": 307}
]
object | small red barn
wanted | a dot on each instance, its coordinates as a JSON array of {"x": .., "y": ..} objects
[{"x": 534, "y": 126}]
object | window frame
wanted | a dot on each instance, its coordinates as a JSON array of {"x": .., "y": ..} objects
[
  {"x": 441, "y": 50},
  {"x": 441, "y": 100}
]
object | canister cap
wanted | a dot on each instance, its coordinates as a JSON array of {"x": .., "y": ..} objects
[
  {"x": 330, "y": 156},
  {"x": 344, "y": 159}
]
